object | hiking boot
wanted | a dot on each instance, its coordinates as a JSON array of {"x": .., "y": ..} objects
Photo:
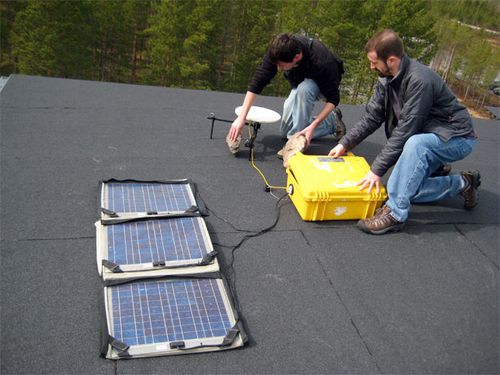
[
  {"x": 295, "y": 144},
  {"x": 381, "y": 223},
  {"x": 381, "y": 210},
  {"x": 443, "y": 170},
  {"x": 234, "y": 146},
  {"x": 340, "y": 126},
  {"x": 469, "y": 192}
]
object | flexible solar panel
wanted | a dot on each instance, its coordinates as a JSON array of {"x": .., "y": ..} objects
[
  {"x": 139, "y": 198},
  {"x": 166, "y": 246},
  {"x": 170, "y": 316}
]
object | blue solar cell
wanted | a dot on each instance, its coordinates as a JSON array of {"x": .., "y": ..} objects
[
  {"x": 173, "y": 239},
  {"x": 159, "y": 311},
  {"x": 146, "y": 197}
]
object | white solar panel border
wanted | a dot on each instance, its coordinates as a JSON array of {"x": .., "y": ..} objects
[
  {"x": 105, "y": 197},
  {"x": 163, "y": 348}
]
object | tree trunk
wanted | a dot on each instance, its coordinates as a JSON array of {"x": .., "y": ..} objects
[
  {"x": 450, "y": 61},
  {"x": 133, "y": 67}
]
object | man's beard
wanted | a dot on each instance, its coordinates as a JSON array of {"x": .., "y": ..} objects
[{"x": 385, "y": 73}]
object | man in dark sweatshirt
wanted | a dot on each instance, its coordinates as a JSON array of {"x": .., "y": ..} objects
[{"x": 314, "y": 73}]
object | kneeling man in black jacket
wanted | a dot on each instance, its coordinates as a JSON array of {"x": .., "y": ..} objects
[
  {"x": 426, "y": 128},
  {"x": 314, "y": 73}
]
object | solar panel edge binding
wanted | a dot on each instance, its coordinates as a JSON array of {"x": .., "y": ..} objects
[
  {"x": 146, "y": 352},
  {"x": 160, "y": 181}
]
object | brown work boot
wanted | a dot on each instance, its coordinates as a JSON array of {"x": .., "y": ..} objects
[
  {"x": 469, "y": 192},
  {"x": 234, "y": 146},
  {"x": 340, "y": 126},
  {"x": 381, "y": 210},
  {"x": 381, "y": 223},
  {"x": 443, "y": 170},
  {"x": 295, "y": 144}
]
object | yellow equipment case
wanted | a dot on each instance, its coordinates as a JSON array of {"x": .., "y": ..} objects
[{"x": 324, "y": 188}]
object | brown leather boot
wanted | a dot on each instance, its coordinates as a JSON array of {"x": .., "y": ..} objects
[
  {"x": 381, "y": 223},
  {"x": 469, "y": 192},
  {"x": 340, "y": 126}
]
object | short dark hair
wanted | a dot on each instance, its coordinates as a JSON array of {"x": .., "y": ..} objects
[
  {"x": 385, "y": 43},
  {"x": 284, "y": 47}
]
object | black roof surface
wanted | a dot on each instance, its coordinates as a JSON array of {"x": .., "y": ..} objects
[{"x": 317, "y": 297}]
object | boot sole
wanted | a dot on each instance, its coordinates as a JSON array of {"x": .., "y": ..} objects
[
  {"x": 395, "y": 228},
  {"x": 476, "y": 181}
]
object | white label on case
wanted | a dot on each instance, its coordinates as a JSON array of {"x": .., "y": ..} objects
[{"x": 339, "y": 211}]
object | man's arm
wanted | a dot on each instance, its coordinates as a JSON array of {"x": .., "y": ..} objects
[
  {"x": 309, "y": 130},
  {"x": 372, "y": 119},
  {"x": 238, "y": 124},
  {"x": 416, "y": 108},
  {"x": 262, "y": 76}
]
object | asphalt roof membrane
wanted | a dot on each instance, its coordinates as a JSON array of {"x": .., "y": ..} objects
[{"x": 317, "y": 297}]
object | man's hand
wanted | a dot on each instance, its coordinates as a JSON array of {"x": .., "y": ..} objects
[
  {"x": 337, "y": 151},
  {"x": 370, "y": 180},
  {"x": 236, "y": 129},
  {"x": 238, "y": 124},
  {"x": 308, "y": 133}
]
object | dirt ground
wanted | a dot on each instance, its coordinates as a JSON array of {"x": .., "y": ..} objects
[{"x": 482, "y": 113}]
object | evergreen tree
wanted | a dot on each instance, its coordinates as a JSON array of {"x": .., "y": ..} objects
[
  {"x": 8, "y": 11},
  {"x": 349, "y": 25},
  {"x": 482, "y": 13},
  {"x": 163, "y": 49},
  {"x": 217, "y": 44},
  {"x": 195, "y": 59},
  {"x": 54, "y": 38},
  {"x": 413, "y": 23},
  {"x": 255, "y": 29},
  {"x": 113, "y": 40},
  {"x": 136, "y": 13}
]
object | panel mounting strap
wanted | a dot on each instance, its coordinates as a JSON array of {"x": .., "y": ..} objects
[
  {"x": 231, "y": 335},
  {"x": 108, "y": 212},
  {"x": 177, "y": 345},
  {"x": 119, "y": 346},
  {"x": 228, "y": 340},
  {"x": 208, "y": 258},
  {"x": 113, "y": 267},
  {"x": 192, "y": 209}
]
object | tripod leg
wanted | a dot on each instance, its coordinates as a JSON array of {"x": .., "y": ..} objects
[
  {"x": 255, "y": 126},
  {"x": 212, "y": 129}
]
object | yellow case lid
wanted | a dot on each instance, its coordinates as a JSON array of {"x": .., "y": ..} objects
[{"x": 321, "y": 177}]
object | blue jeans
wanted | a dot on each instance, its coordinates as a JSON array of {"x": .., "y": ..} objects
[
  {"x": 410, "y": 182},
  {"x": 298, "y": 108}
]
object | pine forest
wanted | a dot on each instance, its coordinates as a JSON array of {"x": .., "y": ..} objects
[{"x": 216, "y": 44}]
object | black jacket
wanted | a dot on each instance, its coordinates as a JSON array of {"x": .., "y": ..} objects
[
  {"x": 427, "y": 106},
  {"x": 318, "y": 63}
]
